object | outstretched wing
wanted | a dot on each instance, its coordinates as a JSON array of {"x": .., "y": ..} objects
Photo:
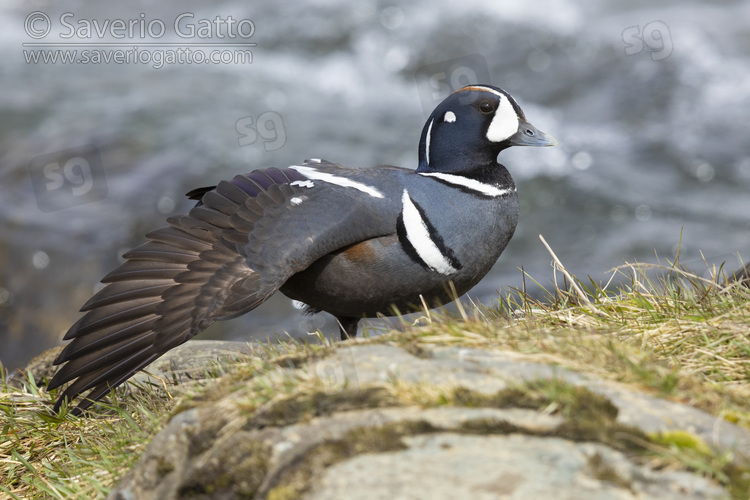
[{"x": 231, "y": 252}]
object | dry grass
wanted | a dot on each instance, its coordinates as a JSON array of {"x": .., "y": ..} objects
[
  {"x": 46, "y": 456},
  {"x": 666, "y": 329}
]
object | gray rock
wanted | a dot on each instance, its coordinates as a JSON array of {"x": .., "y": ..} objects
[
  {"x": 489, "y": 371},
  {"x": 192, "y": 360},
  {"x": 450, "y": 466},
  {"x": 648, "y": 413},
  {"x": 361, "y": 438}
]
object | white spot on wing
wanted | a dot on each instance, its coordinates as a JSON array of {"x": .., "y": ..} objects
[
  {"x": 304, "y": 184},
  {"x": 427, "y": 142},
  {"x": 474, "y": 185},
  {"x": 449, "y": 117},
  {"x": 419, "y": 237},
  {"x": 505, "y": 122},
  {"x": 314, "y": 174},
  {"x": 296, "y": 200}
]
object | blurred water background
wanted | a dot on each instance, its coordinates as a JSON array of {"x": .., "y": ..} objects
[{"x": 651, "y": 105}]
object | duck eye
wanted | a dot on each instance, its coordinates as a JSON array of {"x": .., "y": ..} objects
[{"x": 486, "y": 107}]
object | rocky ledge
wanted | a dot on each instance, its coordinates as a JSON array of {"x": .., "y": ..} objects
[{"x": 382, "y": 421}]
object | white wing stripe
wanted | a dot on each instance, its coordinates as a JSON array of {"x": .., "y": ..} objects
[
  {"x": 314, "y": 174},
  {"x": 304, "y": 184}
]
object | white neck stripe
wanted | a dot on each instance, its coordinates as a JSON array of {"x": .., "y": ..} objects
[
  {"x": 427, "y": 142},
  {"x": 419, "y": 237},
  {"x": 474, "y": 185},
  {"x": 316, "y": 175}
]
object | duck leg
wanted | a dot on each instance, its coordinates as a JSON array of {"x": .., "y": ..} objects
[{"x": 348, "y": 326}]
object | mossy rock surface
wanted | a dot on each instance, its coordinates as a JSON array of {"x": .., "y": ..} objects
[{"x": 372, "y": 420}]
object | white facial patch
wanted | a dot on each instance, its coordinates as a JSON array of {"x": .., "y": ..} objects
[
  {"x": 472, "y": 184},
  {"x": 419, "y": 237},
  {"x": 304, "y": 184},
  {"x": 427, "y": 142},
  {"x": 505, "y": 122},
  {"x": 449, "y": 117},
  {"x": 314, "y": 174}
]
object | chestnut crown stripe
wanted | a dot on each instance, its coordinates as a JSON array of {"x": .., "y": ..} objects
[{"x": 481, "y": 89}]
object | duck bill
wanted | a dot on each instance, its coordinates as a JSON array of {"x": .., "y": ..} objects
[{"x": 529, "y": 135}]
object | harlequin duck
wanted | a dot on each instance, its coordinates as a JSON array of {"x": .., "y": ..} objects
[{"x": 352, "y": 242}]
